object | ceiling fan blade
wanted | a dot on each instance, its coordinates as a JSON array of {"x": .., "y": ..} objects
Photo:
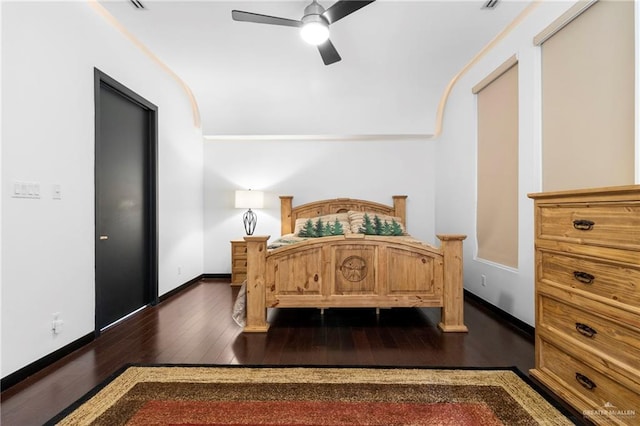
[
  {"x": 343, "y": 8},
  {"x": 239, "y": 15},
  {"x": 328, "y": 52}
]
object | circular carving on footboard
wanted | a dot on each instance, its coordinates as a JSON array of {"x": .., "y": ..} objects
[{"x": 354, "y": 268}]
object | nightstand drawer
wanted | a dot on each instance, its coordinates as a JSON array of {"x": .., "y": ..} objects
[
  {"x": 239, "y": 250},
  {"x": 239, "y": 277},
  {"x": 239, "y": 264},
  {"x": 604, "y": 224},
  {"x": 613, "y": 281},
  {"x": 590, "y": 328},
  {"x": 597, "y": 390}
]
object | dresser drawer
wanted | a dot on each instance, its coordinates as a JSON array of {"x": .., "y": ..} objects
[
  {"x": 605, "y": 224},
  {"x": 606, "y": 279},
  {"x": 595, "y": 331},
  {"x": 600, "y": 392}
]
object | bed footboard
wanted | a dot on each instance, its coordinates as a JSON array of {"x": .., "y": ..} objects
[{"x": 355, "y": 271}]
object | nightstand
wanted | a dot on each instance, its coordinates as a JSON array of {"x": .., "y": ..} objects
[{"x": 238, "y": 262}]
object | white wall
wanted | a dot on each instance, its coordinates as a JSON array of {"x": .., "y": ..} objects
[
  {"x": 509, "y": 289},
  {"x": 312, "y": 170},
  {"x": 49, "y": 51}
]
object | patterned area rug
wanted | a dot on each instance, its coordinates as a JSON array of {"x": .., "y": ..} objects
[{"x": 236, "y": 395}]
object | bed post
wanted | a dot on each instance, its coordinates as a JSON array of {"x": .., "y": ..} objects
[
  {"x": 256, "y": 292},
  {"x": 400, "y": 207},
  {"x": 286, "y": 227},
  {"x": 452, "y": 318}
]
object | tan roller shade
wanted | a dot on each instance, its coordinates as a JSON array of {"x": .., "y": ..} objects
[
  {"x": 497, "y": 221},
  {"x": 588, "y": 91}
]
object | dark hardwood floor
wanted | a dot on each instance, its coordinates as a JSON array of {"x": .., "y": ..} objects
[{"x": 195, "y": 327}]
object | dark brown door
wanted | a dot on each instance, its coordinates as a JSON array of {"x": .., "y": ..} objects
[{"x": 125, "y": 202}]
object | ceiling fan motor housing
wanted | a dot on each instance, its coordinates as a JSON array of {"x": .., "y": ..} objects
[{"x": 313, "y": 13}]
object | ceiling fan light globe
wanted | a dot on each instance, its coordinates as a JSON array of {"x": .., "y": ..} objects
[{"x": 315, "y": 32}]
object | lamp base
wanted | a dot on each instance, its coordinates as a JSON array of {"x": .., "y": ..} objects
[{"x": 250, "y": 219}]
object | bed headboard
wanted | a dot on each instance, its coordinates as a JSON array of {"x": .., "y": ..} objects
[{"x": 289, "y": 214}]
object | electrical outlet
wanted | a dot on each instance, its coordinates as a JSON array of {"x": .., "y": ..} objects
[
  {"x": 483, "y": 280},
  {"x": 56, "y": 324},
  {"x": 56, "y": 192}
]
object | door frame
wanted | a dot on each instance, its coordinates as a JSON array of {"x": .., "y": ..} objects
[{"x": 151, "y": 177}]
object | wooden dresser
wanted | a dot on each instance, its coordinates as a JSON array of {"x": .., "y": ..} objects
[
  {"x": 238, "y": 262},
  {"x": 587, "y": 297}
]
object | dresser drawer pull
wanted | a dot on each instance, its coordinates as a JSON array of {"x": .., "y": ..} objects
[
  {"x": 583, "y": 277},
  {"x": 585, "y": 381},
  {"x": 585, "y": 330},
  {"x": 583, "y": 224}
]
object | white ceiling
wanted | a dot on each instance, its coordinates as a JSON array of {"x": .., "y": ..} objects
[{"x": 256, "y": 79}]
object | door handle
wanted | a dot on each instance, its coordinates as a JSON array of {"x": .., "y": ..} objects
[{"x": 104, "y": 237}]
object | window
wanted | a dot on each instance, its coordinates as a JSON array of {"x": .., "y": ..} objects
[
  {"x": 588, "y": 95},
  {"x": 497, "y": 208}
]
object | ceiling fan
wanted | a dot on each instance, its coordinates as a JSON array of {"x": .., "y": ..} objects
[{"x": 314, "y": 25}]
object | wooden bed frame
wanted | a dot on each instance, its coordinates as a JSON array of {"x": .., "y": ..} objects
[{"x": 353, "y": 270}]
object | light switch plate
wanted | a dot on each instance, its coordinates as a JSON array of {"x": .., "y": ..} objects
[{"x": 23, "y": 189}]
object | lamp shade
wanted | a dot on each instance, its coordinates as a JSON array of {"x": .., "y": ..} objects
[{"x": 249, "y": 199}]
